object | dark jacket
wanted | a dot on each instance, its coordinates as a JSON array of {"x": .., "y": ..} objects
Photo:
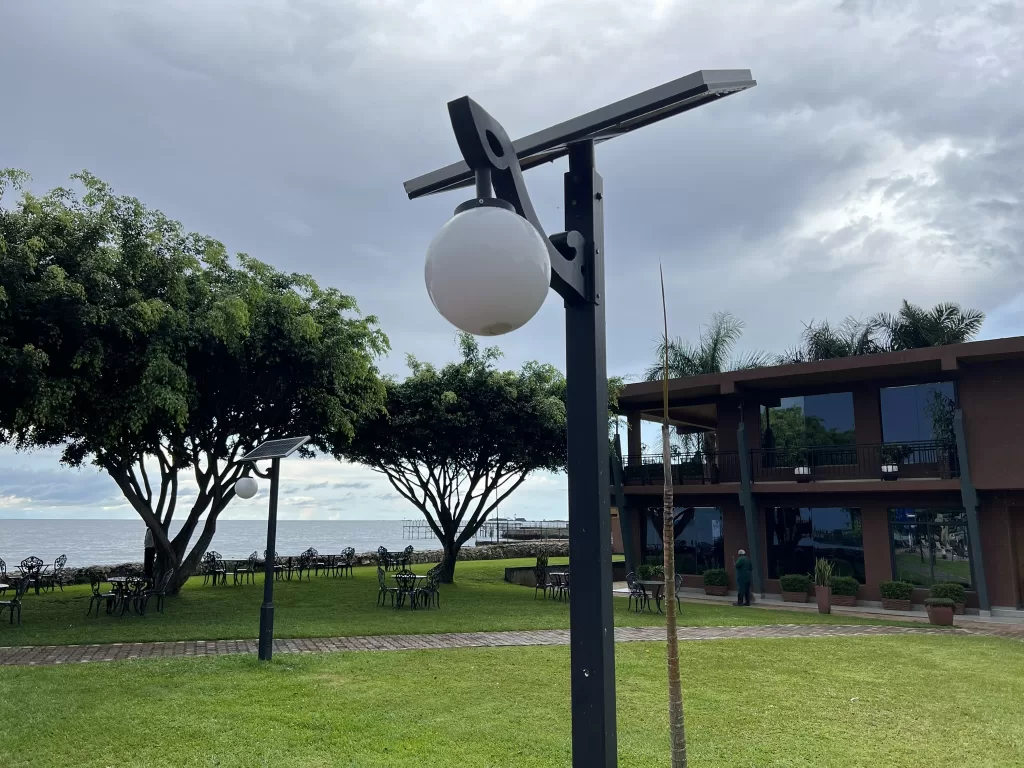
[{"x": 743, "y": 568}]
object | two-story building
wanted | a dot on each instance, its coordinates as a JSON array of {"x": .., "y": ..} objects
[{"x": 902, "y": 465}]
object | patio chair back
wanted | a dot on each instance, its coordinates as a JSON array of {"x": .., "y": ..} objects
[
  {"x": 381, "y": 578},
  {"x": 3, "y": 569},
  {"x": 348, "y": 553},
  {"x": 58, "y": 564},
  {"x": 31, "y": 564}
]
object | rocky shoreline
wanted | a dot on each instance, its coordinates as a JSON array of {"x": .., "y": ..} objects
[{"x": 553, "y": 548}]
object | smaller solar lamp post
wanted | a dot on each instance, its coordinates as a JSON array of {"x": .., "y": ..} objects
[{"x": 275, "y": 450}]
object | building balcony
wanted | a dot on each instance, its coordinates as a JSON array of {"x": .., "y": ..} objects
[
  {"x": 880, "y": 461},
  {"x": 932, "y": 460}
]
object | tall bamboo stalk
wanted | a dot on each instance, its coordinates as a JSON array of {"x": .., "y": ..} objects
[{"x": 676, "y": 722}]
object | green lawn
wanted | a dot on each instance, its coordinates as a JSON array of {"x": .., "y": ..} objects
[
  {"x": 836, "y": 702},
  {"x": 330, "y": 607}
]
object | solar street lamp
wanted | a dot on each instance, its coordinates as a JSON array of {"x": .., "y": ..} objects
[
  {"x": 485, "y": 273},
  {"x": 274, "y": 450}
]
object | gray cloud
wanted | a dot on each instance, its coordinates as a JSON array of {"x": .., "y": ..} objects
[{"x": 878, "y": 158}]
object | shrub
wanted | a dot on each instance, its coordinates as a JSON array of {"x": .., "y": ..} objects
[
  {"x": 823, "y": 571},
  {"x": 939, "y": 602},
  {"x": 647, "y": 572},
  {"x": 716, "y": 577},
  {"x": 795, "y": 582},
  {"x": 896, "y": 590},
  {"x": 950, "y": 590},
  {"x": 844, "y": 585}
]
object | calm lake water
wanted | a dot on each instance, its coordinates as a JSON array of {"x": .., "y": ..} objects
[{"x": 109, "y": 542}]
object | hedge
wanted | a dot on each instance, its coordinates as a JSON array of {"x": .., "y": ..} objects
[
  {"x": 896, "y": 590},
  {"x": 716, "y": 577},
  {"x": 951, "y": 590},
  {"x": 795, "y": 582},
  {"x": 844, "y": 585}
]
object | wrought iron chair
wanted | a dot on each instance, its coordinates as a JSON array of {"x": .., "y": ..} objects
[
  {"x": 14, "y": 604},
  {"x": 99, "y": 596},
  {"x": 159, "y": 591},
  {"x": 430, "y": 593},
  {"x": 679, "y": 587},
  {"x": 563, "y": 587},
  {"x": 214, "y": 568},
  {"x": 406, "y": 557},
  {"x": 383, "y": 560},
  {"x": 279, "y": 566},
  {"x": 247, "y": 569},
  {"x": 406, "y": 587},
  {"x": 32, "y": 571},
  {"x": 60, "y": 576},
  {"x": 3, "y": 575},
  {"x": 131, "y": 594},
  {"x": 540, "y": 576},
  {"x": 385, "y": 590},
  {"x": 344, "y": 562},
  {"x": 636, "y": 593}
]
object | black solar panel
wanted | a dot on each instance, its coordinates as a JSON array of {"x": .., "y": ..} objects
[{"x": 275, "y": 449}]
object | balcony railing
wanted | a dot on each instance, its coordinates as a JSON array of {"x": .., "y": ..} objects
[
  {"x": 926, "y": 459},
  {"x": 697, "y": 468}
]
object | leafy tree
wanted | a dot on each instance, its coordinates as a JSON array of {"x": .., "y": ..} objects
[
  {"x": 456, "y": 441},
  {"x": 914, "y": 327},
  {"x": 713, "y": 353},
  {"x": 822, "y": 341},
  {"x": 141, "y": 348}
]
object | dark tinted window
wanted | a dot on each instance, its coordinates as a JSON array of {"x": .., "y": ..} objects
[
  {"x": 919, "y": 412},
  {"x": 811, "y": 420},
  {"x": 798, "y": 536},
  {"x": 930, "y": 546},
  {"x": 698, "y": 542}
]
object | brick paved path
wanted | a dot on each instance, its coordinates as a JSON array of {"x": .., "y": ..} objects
[{"x": 76, "y": 654}]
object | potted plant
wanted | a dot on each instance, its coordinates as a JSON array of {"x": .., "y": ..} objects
[
  {"x": 716, "y": 582},
  {"x": 822, "y": 584},
  {"x": 954, "y": 592},
  {"x": 940, "y": 610},
  {"x": 844, "y": 590},
  {"x": 795, "y": 587},
  {"x": 648, "y": 572},
  {"x": 896, "y": 595}
]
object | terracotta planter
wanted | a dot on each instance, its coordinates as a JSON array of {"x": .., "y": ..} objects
[
  {"x": 794, "y": 597},
  {"x": 845, "y": 600},
  {"x": 941, "y": 615},
  {"x": 823, "y": 595},
  {"x": 717, "y": 591},
  {"x": 958, "y": 609},
  {"x": 895, "y": 605}
]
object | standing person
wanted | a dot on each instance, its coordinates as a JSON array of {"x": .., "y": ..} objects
[
  {"x": 743, "y": 569},
  {"x": 150, "y": 557}
]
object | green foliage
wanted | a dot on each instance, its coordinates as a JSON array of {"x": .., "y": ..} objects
[
  {"x": 147, "y": 350},
  {"x": 941, "y": 410},
  {"x": 648, "y": 572},
  {"x": 896, "y": 590},
  {"x": 844, "y": 585},
  {"x": 914, "y": 327},
  {"x": 712, "y": 353},
  {"x": 822, "y": 341},
  {"x": 456, "y": 441},
  {"x": 951, "y": 590},
  {"x": 939, "y": 602},
  {"x": 716, "y": 577},
  {"x": 793, "y": 431},
  {"x": 823, "y": 571},
  {"x": 795, "y": 582}
]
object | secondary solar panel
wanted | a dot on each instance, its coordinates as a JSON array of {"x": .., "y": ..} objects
[
  {"x": 600, "y": 125},
  {"x": 276, "y": 449}
]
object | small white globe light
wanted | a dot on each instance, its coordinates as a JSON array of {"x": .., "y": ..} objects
[
  {"x": 488, "y": 271},
  {"x": 246, "y": 487}
]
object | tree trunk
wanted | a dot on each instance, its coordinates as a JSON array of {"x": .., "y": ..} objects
[
  {"x": 676, "y": 724},
  {"x": 451, "y": 554}
]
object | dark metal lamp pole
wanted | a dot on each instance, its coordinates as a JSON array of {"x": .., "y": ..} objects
[
  {"x": 577, "y": 275},
  {"x": 275, "y": 450}
]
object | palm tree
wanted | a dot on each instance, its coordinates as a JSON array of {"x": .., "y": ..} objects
[
  {"x": 914, "y": 327},
  {"x": 822, "y": 341},
  {"x": 713, "y": 353}
]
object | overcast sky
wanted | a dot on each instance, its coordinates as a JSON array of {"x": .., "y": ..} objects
[{"x": 880, "y": 157}]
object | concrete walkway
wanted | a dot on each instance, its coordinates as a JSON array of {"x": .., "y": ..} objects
[{"x": 41, "y": 655}]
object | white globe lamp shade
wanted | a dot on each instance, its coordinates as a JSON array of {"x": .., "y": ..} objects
[
  {"x": 246, "y": 487},
  {"x": 488, "y": 271}
]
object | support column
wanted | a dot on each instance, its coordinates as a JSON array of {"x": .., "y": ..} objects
[
  {"x": 591, "y": 619},
  {"x": 969, "y": 497},
  {"x": 625, "y": 514},
  {"x": 749, "y": 509},
  {"x": 634, "y": 437}
]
